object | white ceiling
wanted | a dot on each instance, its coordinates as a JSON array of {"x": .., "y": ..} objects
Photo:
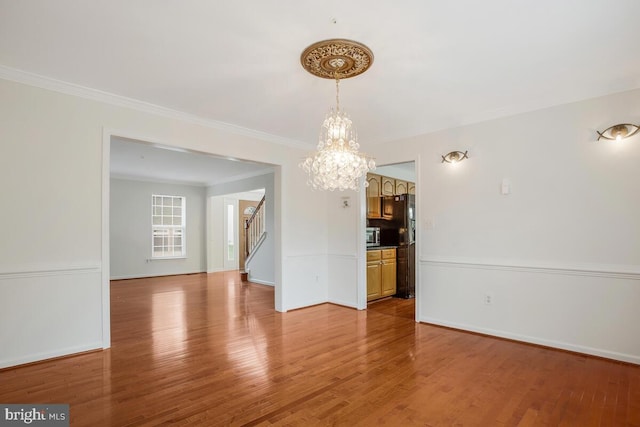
[
  {"x": 438, "y": 64},
  {"x": 141, "y": 161}
]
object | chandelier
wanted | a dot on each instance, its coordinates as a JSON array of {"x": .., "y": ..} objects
[{"x": 337, "y": 164}]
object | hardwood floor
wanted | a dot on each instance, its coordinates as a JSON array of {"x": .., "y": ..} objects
[
  {"x": 209, "y": 350},
  {"x": 399, "y": 307}
]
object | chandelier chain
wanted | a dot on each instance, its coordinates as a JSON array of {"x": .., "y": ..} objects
[{"x": 337, "y": 91}]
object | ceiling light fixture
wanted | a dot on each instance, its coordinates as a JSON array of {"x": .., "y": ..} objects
[
  {"x": 618, "y": 132},
  {"x": 337, "y": 164},
  {"x": 455, "y": 157}
]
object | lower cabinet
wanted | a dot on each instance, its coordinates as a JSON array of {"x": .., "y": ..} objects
[
  {"x": 374, "y": 275},
  {"x": 381, "y": 273}
]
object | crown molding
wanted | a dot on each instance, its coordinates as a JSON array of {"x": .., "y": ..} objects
[
  {"x": 199, "y": 184},
  {"x": 43, "y": 82},
  {"x": 240, "y": 177},
  {"x": 126, "y": 177}
]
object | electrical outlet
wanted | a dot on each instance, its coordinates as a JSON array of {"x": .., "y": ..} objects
[{"x": 488, "y": 299}]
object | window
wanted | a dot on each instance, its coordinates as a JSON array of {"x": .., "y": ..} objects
[{"x": 168, "y": 226}]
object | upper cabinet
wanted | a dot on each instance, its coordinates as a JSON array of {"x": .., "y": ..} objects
[
  {"x": 373, "y": 196},
  {"x": 388, "y": 186},
  {"x": 401, "y": 187},
  {"x": 384, "y": 186},
  {"x": 375, "y": 185}
]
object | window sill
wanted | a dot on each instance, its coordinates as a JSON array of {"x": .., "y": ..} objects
[{"x": 165, "y": 257}]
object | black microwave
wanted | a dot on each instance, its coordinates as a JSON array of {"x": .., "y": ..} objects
[{"x": 373, "y": 236}]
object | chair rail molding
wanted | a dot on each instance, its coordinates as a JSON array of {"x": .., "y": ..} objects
[
  {"x": 630, "y": 272},
  {"x": 47, "y": 270}
]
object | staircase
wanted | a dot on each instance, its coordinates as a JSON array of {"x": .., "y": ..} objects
[{"x": 254, "y": 235}]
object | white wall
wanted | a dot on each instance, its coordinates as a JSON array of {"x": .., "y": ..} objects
[
  {"x": 53, "y": 170},
  {"x": 344, "y": 249},
  {"x": 560, "y": 255},
  {"x": 215, "y": 234},
  {"x": 262, "y": 265},
  {"x": 130, "y": 231},
  {"x": 305, "y": 266}
]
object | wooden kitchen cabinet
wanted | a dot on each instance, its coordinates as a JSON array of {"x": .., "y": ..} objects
[
  {"x": 388, "y": 272},
  {"x": 401, "y": 187},
  {"x": 374, "y": 207},
  {"x": 411, "y": 188},
  {"x": 388, "y": 186},
  {"x": 375, "y": 185},
  {"x": 381, "y": 273},
  {"x": 374, "y": 275}
]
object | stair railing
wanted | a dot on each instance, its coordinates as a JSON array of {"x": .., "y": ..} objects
[{"x": 254, "y": 228}]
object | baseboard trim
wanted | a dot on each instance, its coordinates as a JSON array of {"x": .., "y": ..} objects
[
  {"x": 261, "y": 282},
  {"x": 305, "y": 305},
  {"x": 623, "y": 357},
  {"x": 127, "y": 277},
  {"x": 56, "y": 354},
  {"x": 343, "y": 304}
]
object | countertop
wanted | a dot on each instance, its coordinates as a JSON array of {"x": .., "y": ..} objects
[{"x": 374, "y": 248}]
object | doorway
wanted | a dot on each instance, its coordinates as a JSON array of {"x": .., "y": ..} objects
[
  {"x": 168, "y": 164},
  {"x": 391, "y": 217},
  {"x": 226, "y": 215},
  {"x": 246, "y": 208}
]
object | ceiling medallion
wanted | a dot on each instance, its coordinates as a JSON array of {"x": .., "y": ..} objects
[{"x": 347, "y": 58}]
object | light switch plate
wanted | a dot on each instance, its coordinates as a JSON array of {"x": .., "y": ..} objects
[{"x": 505, "y": 187}]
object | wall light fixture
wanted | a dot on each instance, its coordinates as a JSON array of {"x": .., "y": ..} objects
[
  {"x": 455, "y": 157},
  {"x": 618, "y": 132}
]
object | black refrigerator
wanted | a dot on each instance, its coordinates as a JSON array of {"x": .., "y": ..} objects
[{"x": 402, "y": 212}]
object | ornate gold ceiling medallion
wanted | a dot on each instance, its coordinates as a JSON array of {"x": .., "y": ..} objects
[{"x": 328, "y": 57}]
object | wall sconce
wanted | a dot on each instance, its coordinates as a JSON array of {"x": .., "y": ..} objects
[
  {"x": 618, "y": 132},
  {"x": 455, "y": 157}
]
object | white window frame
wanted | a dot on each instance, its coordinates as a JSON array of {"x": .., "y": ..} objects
[{"x": 163, "y": 225}]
